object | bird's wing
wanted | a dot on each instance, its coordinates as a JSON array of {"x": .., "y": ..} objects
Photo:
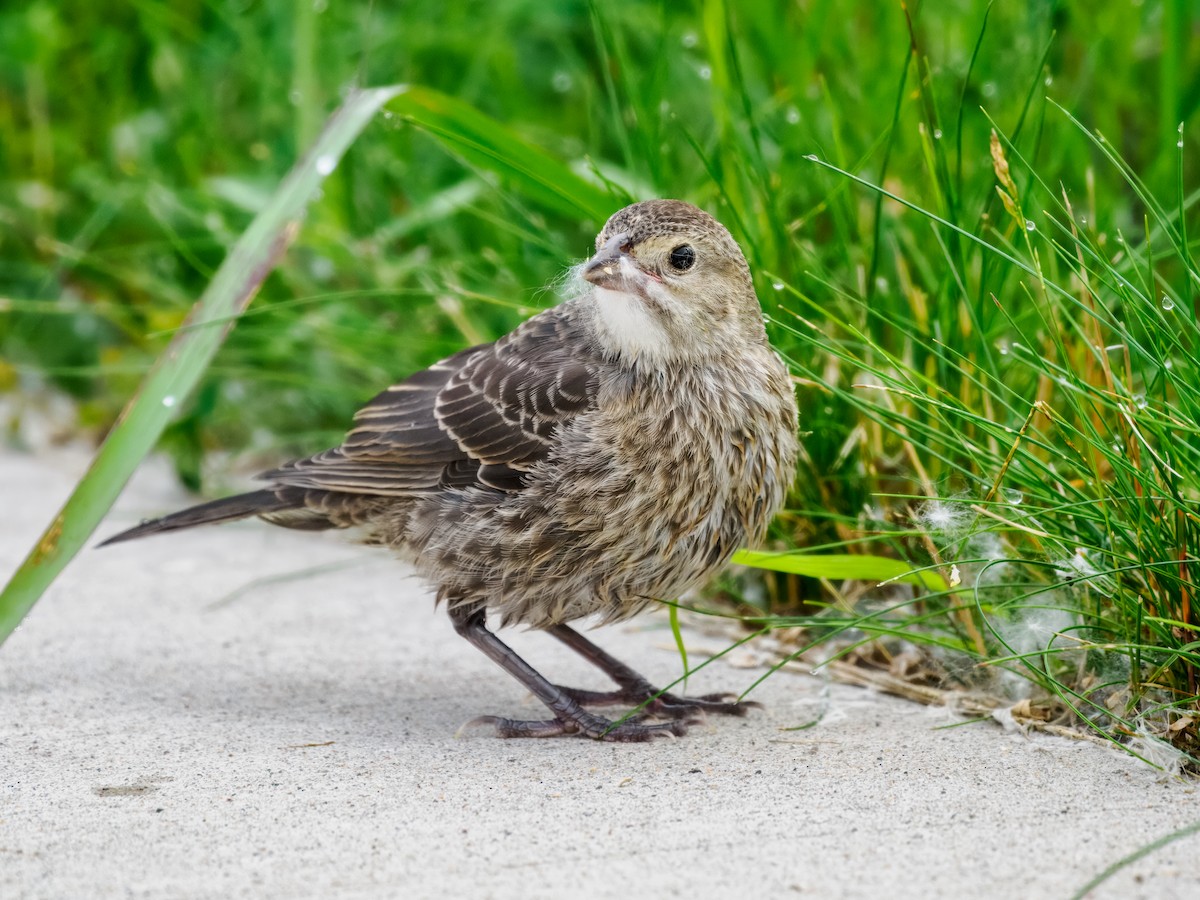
[{"x": 484, "y": 416}]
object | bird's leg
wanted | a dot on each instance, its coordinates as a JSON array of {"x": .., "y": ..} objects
[
  {"x": 634, "y": 690},
  {"x": 569, "y": 716}
]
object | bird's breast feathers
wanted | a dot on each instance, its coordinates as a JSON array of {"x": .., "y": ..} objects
[{"x": 700, "y": 449}]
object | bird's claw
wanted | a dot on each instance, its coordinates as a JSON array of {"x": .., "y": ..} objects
[
  {"x": 590, "y": 726},
  {"x": 657, "y": 705}
]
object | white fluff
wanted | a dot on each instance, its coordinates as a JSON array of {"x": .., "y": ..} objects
[{"x": 629, "y": 328}]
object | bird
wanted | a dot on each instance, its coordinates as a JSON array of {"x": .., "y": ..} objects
[{"x": 612, "y": 451}]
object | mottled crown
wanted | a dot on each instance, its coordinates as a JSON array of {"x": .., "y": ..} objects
[{"x": 651, "y": 218}]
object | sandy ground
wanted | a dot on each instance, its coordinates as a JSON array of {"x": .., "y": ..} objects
[{"x": 248, "y": 712}]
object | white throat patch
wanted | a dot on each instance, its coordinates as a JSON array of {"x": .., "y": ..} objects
[{"x": 627, "y": 327}]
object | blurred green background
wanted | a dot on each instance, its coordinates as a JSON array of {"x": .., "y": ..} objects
[{"x": 136, "y": 140}]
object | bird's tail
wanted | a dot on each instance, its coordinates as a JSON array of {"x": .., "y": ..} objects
[{"x": 241, "y": 506}]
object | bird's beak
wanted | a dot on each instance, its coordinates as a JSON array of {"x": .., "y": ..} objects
[{"x": 604, "y": 269}]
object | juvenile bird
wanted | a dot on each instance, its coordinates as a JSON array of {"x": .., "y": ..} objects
[{"x": 611, "y": 451}]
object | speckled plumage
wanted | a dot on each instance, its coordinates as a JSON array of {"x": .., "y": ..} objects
[{"x": 612, "y": 450}]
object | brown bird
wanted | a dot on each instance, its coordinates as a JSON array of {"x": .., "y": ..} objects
[{"x": 611, "y": 451}]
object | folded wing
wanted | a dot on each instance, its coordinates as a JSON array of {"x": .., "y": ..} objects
[{"x": 483, "y": 417}]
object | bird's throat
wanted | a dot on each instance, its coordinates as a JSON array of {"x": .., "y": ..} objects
[{"x": 627, "y": 327}]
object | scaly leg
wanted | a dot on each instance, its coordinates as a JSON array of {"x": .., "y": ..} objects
[
  {"x": 636, "y": 690},
  {"x": 569, "y": 716}
]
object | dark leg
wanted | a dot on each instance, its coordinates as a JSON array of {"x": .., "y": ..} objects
[
  {"x": 636, "y": 690},
  {"x": 569, "y": 716}
]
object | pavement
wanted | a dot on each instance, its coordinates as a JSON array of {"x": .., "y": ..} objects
[{"x": 245, "y": 711}]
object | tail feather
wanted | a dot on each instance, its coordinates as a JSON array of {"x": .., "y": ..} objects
[{"x": 240, "y": 506}]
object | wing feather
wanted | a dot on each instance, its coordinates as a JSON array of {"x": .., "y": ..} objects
[{"x": 482, "y": 417}]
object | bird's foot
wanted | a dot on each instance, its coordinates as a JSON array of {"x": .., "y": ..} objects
[
  {"x": 657, "y": 705},
  {"x": 584, "y": 725}
]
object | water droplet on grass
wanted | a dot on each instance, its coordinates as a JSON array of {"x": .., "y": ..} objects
[
  {"x": 168, "y": 401},
  {"x": 1029, "y": 226},
  {"x": 321, "y": 268},
  {"x": 1167, "y": 303},
  {"x": 813, "y": 157},
  {"x": 792, "y": 115},
  {"x": 937, "y": 134},
  {"x": 326, "y": 164},
  {"x": 778, "y": 285},
  {"x": 706, "y": 72}
]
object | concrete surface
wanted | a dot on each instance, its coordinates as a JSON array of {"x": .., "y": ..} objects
[{"x": 166, "y": 733}]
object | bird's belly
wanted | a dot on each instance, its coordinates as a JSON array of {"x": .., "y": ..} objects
[{"x": 602, "y": 533}]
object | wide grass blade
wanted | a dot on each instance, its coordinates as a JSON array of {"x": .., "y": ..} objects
[
  {"x": 859, "y": 567},
  {"x": 489, "y": 145},
  {"x": 180, "y": 367}
]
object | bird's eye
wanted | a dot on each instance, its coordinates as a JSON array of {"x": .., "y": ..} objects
[{"x": 682, "y": 258}]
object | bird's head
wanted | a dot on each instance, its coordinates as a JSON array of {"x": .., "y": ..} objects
[{"x": 670, "y": 283}]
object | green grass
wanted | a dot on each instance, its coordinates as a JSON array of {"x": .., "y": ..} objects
[
  {"x": 994, "y": 390},
  {"x": 183, "y": 363}
]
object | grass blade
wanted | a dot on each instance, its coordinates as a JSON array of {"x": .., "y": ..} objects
[
  {"x": 861, "y": 567},
  {"x": 1133, "y": 857},
  {"x": 179, "y": 368},
  {"x": 483, "y": 142}
]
